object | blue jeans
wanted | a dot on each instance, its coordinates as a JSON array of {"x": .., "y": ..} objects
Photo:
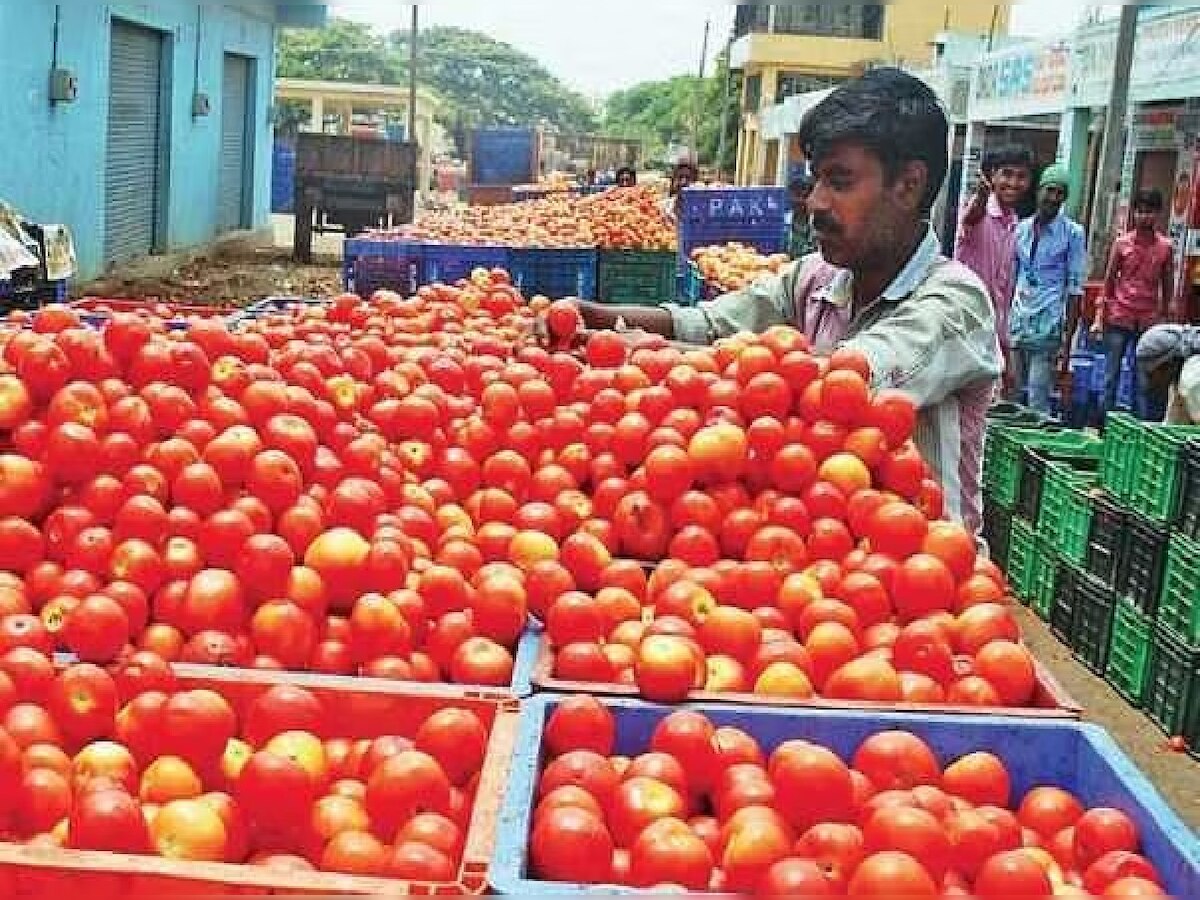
[
  {"x": 1146, "y": 406},
  {"x": 1033, "y": 375}
]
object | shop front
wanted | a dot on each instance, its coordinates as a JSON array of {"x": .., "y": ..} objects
[
  {"x": 1017, "y": 97},
  {"x": 1161, "y": 149}
]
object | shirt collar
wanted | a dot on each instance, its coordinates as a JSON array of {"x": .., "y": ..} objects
[
  {"x": 840, "y": 291},
  {"x": 1049, "y": 226},
  {"x": 996, "y": 209}
]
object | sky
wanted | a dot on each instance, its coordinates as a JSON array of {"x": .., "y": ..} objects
[{"x": 598, "y": 48}]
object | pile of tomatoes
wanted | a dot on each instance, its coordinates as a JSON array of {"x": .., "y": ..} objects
[
  {"x": 709, "y": 808},
  {"x": 733, "y": 266},
  {"x": 391, "y": 488},
  {"x": 803, "y": 546},
  {"x": 130, "y": 761},
  {"x": 258, "y": 498},
  {"x": 617, "y": 219}
]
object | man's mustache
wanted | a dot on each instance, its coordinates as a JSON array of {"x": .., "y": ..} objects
[{"x": 825, "y": 224}]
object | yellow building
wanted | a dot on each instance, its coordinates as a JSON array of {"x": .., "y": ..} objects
[{"x": 794, "y": 48}]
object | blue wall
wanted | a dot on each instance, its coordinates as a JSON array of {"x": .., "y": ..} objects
[{"x": 52, "y": 157}]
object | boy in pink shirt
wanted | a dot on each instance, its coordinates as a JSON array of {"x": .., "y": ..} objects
[
  {"x": 1138, "y": 289},
  {"x": 987, "y": 230}
]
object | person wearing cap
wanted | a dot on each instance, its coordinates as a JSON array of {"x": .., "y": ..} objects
[
  {"x": 1168, "y": 368},
  {"x": 1051, "y": 264}
]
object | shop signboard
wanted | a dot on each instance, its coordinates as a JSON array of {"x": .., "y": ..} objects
[
  {"x": 1027, "y": 80},
  {"x": 1158, "y": 128},
  {"x": 1167, "y": 53}
]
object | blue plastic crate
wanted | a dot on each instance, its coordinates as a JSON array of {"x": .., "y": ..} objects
[
  {"x": 554, "y": 273},
  {"x": 31, "y": 296},
  {"x": 764, "y": 238},
  {"x": 734, "y": 205},
  {"x": 369, "y": 266},
  {"x": 283, "y": 178},
  {"x": 1077, "y": 757},
  {"x": 448, "y": 263}
]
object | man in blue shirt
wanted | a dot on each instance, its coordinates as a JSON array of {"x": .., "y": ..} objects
[{"x": 1051, "y": 260}]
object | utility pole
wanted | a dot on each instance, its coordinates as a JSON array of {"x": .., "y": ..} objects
[
  {"x": 412, "y": 78},
  {"x": 1112, "y": 150},
  {"x": 721, "y": 138},
  {"x": 698, "y": 101}
]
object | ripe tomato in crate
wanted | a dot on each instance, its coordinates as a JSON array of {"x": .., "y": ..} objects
[
  {"x": 302, "y": 749},
  {"x": 621, "y": 795}
]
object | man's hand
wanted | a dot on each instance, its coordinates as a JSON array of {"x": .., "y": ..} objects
[
  {"x": 1097, "y": 328},
  {"x": 983, "y": 189}
]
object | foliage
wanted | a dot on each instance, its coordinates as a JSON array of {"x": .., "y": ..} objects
[
  {"x": 479, "y": 81},
  {"x": 663, "y": 113}
]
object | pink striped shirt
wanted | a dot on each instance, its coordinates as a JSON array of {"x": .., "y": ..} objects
[
  {"x": 931, "y": 335},
  {"x": 988, "y": 248}
]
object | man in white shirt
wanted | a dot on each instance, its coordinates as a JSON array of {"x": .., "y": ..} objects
[{"x": 1168, "y": 360}]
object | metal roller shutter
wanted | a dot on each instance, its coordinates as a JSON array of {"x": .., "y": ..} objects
[
  {"x": 131, "y": 174},
  {"x": 231, "y": 183}
]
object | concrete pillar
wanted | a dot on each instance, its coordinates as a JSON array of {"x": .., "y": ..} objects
[
  {"x": 972, "y": 158},
  {"x": 740, "y": 166},
  {"x": 317, "y": 120},
  {"x": 785, "y": 160},
  {"x": 1073, "y": 153},
  {"x": 346, "y": 111}
]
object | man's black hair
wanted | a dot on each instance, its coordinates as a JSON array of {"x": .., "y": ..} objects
[
  {"x": 1010, "y": 155},
  {"x": 1151, "y": 201},
  {"x": 800, "y": 181},
  {"x": 894, "y": 115},
  {"x": 626, "y": 170}
]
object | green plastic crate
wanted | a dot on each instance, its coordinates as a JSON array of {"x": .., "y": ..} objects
[
  {"x": 1158, "y": 476},
  {"x": 636, "y": 276},
  {"x": 1043, "y": 576},
  {"x": 1022, "y": 548},
  {"x": 1016, "y": 415},
  {"x": 1129, "y": 651},
  {"x": 1122, "y": 433},
  {"x": 1065, "y": 511},
  {"x": 1172, "y": 695},
  {"x": 1004, "y": 468},
  {"x": 1179, "y": 600}
]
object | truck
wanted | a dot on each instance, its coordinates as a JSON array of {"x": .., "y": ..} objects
[
  {"x": 503, "y": 157},
  {"x": 348, "y": 184}
]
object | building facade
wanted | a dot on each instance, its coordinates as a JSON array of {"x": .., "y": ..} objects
[
  {"x": 143, "y": 126},
  {"x": 794, "y": 49},
  {"x": 1053, "y": 94}
]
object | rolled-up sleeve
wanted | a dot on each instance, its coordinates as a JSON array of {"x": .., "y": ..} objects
[
  {"x": 934, "y": 344},
  {"x": 755, "y": 308}
]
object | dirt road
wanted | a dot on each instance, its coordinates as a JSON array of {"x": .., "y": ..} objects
[{"x": 234, "y": 272}]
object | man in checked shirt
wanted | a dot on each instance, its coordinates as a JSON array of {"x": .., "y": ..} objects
[{"x": 880, "y": 285}]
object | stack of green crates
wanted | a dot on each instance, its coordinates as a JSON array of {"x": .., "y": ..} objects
[{"x": 1092, "y": 562}]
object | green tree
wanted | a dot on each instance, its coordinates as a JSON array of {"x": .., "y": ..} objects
[
  {"x": 479, "y": 81},
  {"x": 342, "y": 51},
  {"x": 661, "y": 113}
]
